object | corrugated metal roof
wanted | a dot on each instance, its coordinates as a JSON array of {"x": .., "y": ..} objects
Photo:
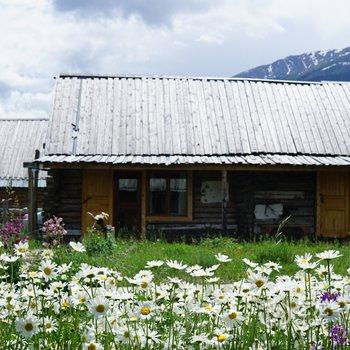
[
  {"x": 183, "y": 118},
  {"x": 265, "y": 159},
  {"x": 19, "y": 138}
]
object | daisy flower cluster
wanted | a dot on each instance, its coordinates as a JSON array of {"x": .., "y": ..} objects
[{"x": 61, "y": 306}]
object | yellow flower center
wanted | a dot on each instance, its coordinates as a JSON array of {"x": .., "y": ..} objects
[
  {"x": 100, "y": 308},
  {"x": 126, "y": 334},
  {"x": 47, "y": 271},
  {"x": 28, "y": 327},
  {"x": 208, "y": 307},
  {"x": 82, "y": 300},
  {"x": 328, "y": 311},
  {"x": 222, "y": 338},
  {"x": 92, "y": 347},
  {"x": 259, "y": 283},
  {"x": 21, "y": 250},
  {"x": 293, "y": 304},
  {"x": 144, "y": 285},
  {"x": 145, "y": 310},
  {"x": 298, "y": 290},
  {"x": 342, "y": 304},
  {"x": 232, "y": 315},
  {"x": 65, "y": 304}
]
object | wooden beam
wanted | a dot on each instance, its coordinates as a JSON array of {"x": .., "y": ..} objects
[{"x": 224, "y": 200}]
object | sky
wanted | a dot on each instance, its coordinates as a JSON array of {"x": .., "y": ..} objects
[{"x": 43, "y": 38}]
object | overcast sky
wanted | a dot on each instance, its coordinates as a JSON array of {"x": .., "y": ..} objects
[{"x": 41, "y": 38}]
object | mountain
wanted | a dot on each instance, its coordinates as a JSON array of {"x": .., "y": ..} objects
[{"x": 331, "y": 65}]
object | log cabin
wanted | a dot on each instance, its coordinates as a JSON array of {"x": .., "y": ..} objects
[
  {"x": 19, "y": 140},
  {"x": 192, "y": 155}
]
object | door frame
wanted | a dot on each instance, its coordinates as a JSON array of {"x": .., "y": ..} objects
[{"x": 132, "y": 174}]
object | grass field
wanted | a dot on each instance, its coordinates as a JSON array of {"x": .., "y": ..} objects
[{"x": 129, "y": 257}]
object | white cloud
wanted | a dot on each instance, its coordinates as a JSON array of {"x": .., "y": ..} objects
[{"x": 37, "y": 42}]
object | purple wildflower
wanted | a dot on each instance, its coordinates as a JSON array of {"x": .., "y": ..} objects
[
  {"x": 53, "y": 231},
  {"x": 11, "y": 232},
  {"x": 327, "y": 296},
  {"x": 339, "y": 335}
]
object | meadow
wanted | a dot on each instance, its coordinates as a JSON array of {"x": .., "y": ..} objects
[
  {"x": 130, "y": 256},
  {"x": 107, "y": 294}
]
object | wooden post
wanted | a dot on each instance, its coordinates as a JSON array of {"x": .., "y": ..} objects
[
  {"x": 33, "y": 175},
  {"x": 224, "y": 200},
  {"x": 32, "y": 207},
  {"x": 31, "y": 200}
]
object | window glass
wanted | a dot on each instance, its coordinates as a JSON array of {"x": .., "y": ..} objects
[
  {"x": 158, "y": 195},
  {"x": 178, "y": 194},
  {"x": 127, "y": 190}
]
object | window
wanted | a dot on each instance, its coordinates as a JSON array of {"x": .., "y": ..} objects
[
  {"x": 127, "y": 190},
  {"x": 168, "y": 194}
]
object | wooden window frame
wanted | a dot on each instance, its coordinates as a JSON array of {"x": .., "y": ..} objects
[{"x": 189, "y": 190}]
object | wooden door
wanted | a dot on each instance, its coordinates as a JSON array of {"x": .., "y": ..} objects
[
  {"x": 333, "y": 204},
  {"x": 97, "y": 195},
  {"x": 127, "y": 201}
]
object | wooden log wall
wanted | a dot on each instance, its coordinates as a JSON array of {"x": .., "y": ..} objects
[
  {"x": 243, "y": 196},
  {"x": 21, "y": 196},
  {"x": 296, "y": 191},
  {"x": 63, "y": 197},
  {"x": 211, "y": 213}
]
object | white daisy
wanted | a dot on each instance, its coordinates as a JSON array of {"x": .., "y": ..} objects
[
  {"x": 49, "y": 325},
  {"x": 304, "y": 262},
  {"x": 77, "y": 246},
  {"x": 27, "y": 326},
  {"x": 177, "y": 265},
  {"x": 233, "y": 317},
  {"x": 154, "y": 263},
  {"x": 329, "y": 255},
  {"x": 21, "y": 248},
  {"x": 98, "y": 306},
  {"x": 329, "y": 311},
  {"x": 92, "y": 346},
  {"x": 48, "y": 270},
  {"x": 222, "y": 258}
]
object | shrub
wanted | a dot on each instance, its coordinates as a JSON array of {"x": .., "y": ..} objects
[{"x": 98, "y": 243}]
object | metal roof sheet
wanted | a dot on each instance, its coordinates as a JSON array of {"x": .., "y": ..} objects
[
  {"x": 185, "y": 117},
  {"x": 19, "y": 138}
]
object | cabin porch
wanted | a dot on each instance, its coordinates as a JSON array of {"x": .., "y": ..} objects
[{"x": 195, "y": 202}]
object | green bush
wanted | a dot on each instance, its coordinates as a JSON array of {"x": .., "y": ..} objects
[{"x": 98, "y": 243}]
